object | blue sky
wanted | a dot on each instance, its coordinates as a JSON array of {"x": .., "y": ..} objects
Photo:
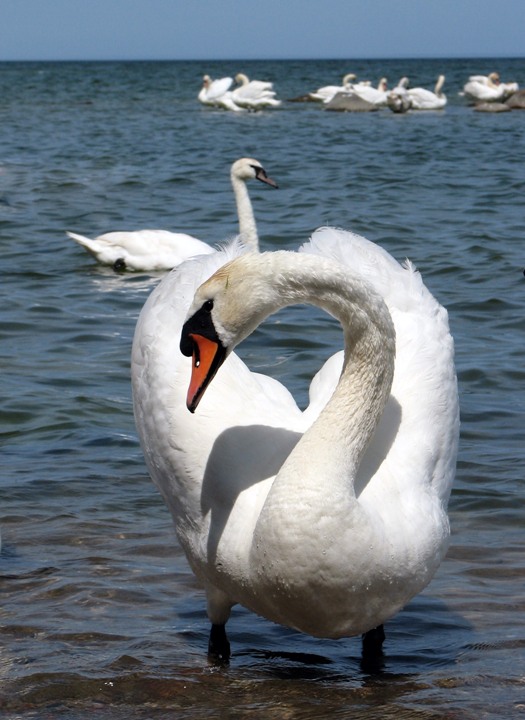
[{"x": 259, "y": 29}]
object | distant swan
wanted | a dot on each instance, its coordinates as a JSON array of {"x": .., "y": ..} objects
[
  {"x": 377, "y": 96},
  {"x": 423, "y": 99},
  {"x": 254, "y": 94},
  {"x": 327, "y": 521},
  {"x": 217, "y": 93},
  {"x": 489, "y": 88},
  {"x": 327, "y": 92},
  {"x": 150, "y": 250}
]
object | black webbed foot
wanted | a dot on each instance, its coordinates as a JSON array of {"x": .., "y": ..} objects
[{"x": 218, "y": 645}]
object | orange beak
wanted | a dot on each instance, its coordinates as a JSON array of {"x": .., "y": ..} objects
[{"x": 207, "y": 357}]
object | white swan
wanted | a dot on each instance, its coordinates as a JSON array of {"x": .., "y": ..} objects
[
  {"x": 254, "y": 94},
  {"x": 217, "y": 93},
  {"x": 149, "y": 250},
  {"x": 330, "y": 520},
  {"x": 327, "y": 92},
  {"x": 423, "y": 99},
  {"x": 481, "y": 88},
  {"x": 376, "y": 96}
]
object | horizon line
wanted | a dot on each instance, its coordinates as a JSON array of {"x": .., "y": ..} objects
[{"x": 275, "y": 59}]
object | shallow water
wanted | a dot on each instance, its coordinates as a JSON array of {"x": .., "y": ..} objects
[{"x": 100, "y": 613}]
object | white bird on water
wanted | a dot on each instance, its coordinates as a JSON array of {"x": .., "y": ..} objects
[
  {"x": 488, "y": 88},
  {"x": 327, "y": 92},
  {"x": 254, "y": 94},
  {"x": 149, "y": 250},
  {"x": 374, "y": 95},
  {"x": 328, "y": 520},
  {"x": 218, "y": 93},
  {"x": 423, "y": 99}
]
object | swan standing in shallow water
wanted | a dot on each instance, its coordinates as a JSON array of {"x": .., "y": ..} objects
[
  {"x": 149, "y": 250},
  {"x": 328, "y": 520}
]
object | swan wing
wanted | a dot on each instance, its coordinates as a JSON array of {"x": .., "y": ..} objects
[
  {"x": 219, "y": 87},
  {"x": 370, "y": 94}
]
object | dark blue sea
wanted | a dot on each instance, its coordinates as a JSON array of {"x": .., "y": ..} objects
[{"x": 100, "y": 616}]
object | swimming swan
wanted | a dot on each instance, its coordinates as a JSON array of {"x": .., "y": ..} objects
[
  {"x": 327, "y": 92},
  {"x": 254, "y": 94},
  {"x": 218, "y": 93},
  {"x": 377, "y": 96},
  {"x": 423, "y": 99},
  {"x": 149, "y": 250},
  {"x": 327, "y": 521}
]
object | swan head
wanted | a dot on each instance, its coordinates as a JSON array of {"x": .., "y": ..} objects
[
  {"x": 225, "y": 310},
  {"x": 206, "y": 81},
  {"x": 383, "y": 84},
  {"x": 250, "y": 169},
  {"x": 494, "y": 78},
  {"x": 241, "y": 79}
]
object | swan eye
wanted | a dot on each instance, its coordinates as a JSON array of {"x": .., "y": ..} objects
[{"x": 208, "y": 306}]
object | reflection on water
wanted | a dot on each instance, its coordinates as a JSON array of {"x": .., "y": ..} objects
[{"x": 99, "y": 612}]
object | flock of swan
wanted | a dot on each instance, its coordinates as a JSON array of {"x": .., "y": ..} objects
[
  {"x": 328, "y": 519},
  {"x": 482, "y": 90}
]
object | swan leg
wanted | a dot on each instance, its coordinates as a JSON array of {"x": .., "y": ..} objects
[
  {"x": 372, "y": 655},
  {"x": 218, "y": 645},
  {"x": 219, "y": 607}
]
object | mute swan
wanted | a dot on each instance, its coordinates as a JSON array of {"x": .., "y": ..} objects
[
  {"x": 254, "y": 94},
  {"x": 149, "y": 250},
  {"x": 423, "y": 99},
  {"x": 377, "y": 96},
  {"x": 217, "y": 93},
  {"x": 488, "y": 88},
  {"x": 326, "y": 93},
  {"x": 327, "y": 521}
]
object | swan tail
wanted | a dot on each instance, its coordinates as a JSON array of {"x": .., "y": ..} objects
[{"x": 85, "y": 242}]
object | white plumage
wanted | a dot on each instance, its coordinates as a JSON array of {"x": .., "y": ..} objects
[
  {"x": 254, "y": 94},
  {"x": 285, "y": 511},
  {"x": 149, "y": 250},
  {"x": 423, "y": 99},
  {"x": 488, "y": 88},
  {"x": 218, "y": 93},
  {"x": 327, "y": 92}
]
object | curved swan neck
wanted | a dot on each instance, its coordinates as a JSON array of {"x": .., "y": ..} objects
[
  {"x": 247, "y": 226},
  {"x": 269, "y": 281},
  {"x": 439, "y": 85},
  {"x": 347, "y": 423}
]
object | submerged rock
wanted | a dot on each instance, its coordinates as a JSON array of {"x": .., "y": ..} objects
[
  {"x": 347, "y": 102},
  {"x": 516, "y": 101},
  {"x": 491, "y": 107}
]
